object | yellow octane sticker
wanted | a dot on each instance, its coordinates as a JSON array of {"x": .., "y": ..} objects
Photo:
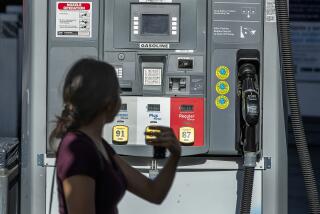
[
  {"x": 222, "y": 102},
  {"x": 150, "y": 131},
  {"x": 120, "y": 134},
  {"x": 222, "y": 87},
  {"x": 186, "y": 135},
  {"x": 222, "y": 72}
]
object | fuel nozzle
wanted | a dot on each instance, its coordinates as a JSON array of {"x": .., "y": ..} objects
[
  {"x": 250, "y": 95},
  {"x": 250, "y": 111}
]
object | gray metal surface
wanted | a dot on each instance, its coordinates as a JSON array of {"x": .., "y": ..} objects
[
  {"x": 226, "y": 20},
  {"x": 9, "y": 191},
  {"x": 275, "y": 181},
  {"x": 9, "y": 86},
  {"x": 62, "y": 53},
  {"x": 32, "y": 198}
]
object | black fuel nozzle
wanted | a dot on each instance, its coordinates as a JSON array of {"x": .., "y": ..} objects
[
  {"x": 250, "y": 110},
  {"x": 250, "y": 95}
]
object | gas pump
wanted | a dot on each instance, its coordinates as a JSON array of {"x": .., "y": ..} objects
[{"x": 209, "y": 69}]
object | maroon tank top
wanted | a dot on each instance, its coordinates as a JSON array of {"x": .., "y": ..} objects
[{"x": 77, "y": 155}]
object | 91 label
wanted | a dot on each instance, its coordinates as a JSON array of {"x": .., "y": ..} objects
[
  {"x": 120, "y": 134},
  {"x": 186, "y": 135}
]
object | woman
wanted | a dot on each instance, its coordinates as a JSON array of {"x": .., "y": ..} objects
[{"x": 91, "y": 177}]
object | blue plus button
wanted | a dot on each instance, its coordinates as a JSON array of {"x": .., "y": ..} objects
[
  {"x": 223, "y": 71},
  {"x": 222, "y": 101},
  {"x": 222, "y": 86}
]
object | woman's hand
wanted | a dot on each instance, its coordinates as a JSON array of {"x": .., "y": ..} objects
[
  {"x": 154, "y": 190},
  {"x": 165, "y": 138}
]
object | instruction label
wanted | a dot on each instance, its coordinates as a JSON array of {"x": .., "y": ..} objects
[
  {"x": 271, "y": 11},
  {"x": 152, "y": 76},
  {"x": 74, "y": 19}
]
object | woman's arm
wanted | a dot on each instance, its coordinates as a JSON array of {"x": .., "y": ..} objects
[
  {"x": 79, "y": 192},
  {"x": 155, "y": 190}
]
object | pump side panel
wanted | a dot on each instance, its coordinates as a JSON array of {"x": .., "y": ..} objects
[
  {"x": 204, "y": 192},
  {"x": 275, "y": 180},
  {"x": 65, "y": 50}
]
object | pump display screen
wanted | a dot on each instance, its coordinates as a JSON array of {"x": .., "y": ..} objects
[
  {"x": 185, "y": 108},
  {"x": 123, "y": 107},
  {"x": 153, "y": 107},
  {"x": 155, "y": 24}
]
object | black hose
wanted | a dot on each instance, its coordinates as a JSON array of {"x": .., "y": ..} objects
[
  {"x": 298, "y": 129},
  {"x": 247, "y": 187}
]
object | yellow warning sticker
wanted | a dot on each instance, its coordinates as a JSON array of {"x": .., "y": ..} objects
[
  {"x": 120, "y": 134},
  {"x": 222, "y": 102},
  {"x": 186, "y": 135},
  {"x": 222, "y": 87},
  {"x": 222, "y": 72}
]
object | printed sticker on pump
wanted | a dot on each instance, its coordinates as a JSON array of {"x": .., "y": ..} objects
[
  {"x": 120, "y": 134},
  {"x": 186, "y": 135},
  {"x": 222, "y": 72},
  {"x": 74, "y": 19},
  {"x": 152, "y": 76}
]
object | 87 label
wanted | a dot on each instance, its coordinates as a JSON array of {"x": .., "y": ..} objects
[{"x": 186, "y": 135}]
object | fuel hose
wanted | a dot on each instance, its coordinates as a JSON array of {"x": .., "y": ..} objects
[
  {"x": 246, "y": 198},
  {"x": 287, "y": 70}
]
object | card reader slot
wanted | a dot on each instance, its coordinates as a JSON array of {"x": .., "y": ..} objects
[
  {"x": 177, "y": 84},
  {"x": 126, "y": 89}
]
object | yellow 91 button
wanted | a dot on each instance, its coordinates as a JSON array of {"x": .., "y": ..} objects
[
  {"x": 222, "y": 87},
  {"x": 120, "y": 134},
  {"x": 222, "y": 102},
  {"x": 222, "y": 72},
  {"x": 186, "y": 135}
]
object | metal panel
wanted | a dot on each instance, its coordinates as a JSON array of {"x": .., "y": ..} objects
[
  {"x": 33, "y": 182},
  {"x": 206, "y": 193},
  {"x": 62, "y": 53},
  {"x": 275, "y": 188},
  {"x": 9, "y": 192},
  {"x": 9, "y": 86}
]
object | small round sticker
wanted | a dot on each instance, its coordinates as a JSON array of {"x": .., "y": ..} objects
[
  {"x": 222, "y": 72},
  {"x": 120, "y": 134},
  {"x": 222, "y": 102},
  {"x": 222, "y": 87}
]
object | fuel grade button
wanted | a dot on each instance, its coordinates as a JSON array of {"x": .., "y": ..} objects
[
  {"x": 120, "y": 134},
  {"x": 186, "y": 136},
  {"x": 222, "y": 87},
  {"x": 222, "y": 102},
  {"x": 222, "y": 72}
]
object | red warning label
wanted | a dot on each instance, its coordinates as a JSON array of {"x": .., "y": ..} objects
[
  {"x": 74, "y": 19},
  {"x": 74, "y": 6}
]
